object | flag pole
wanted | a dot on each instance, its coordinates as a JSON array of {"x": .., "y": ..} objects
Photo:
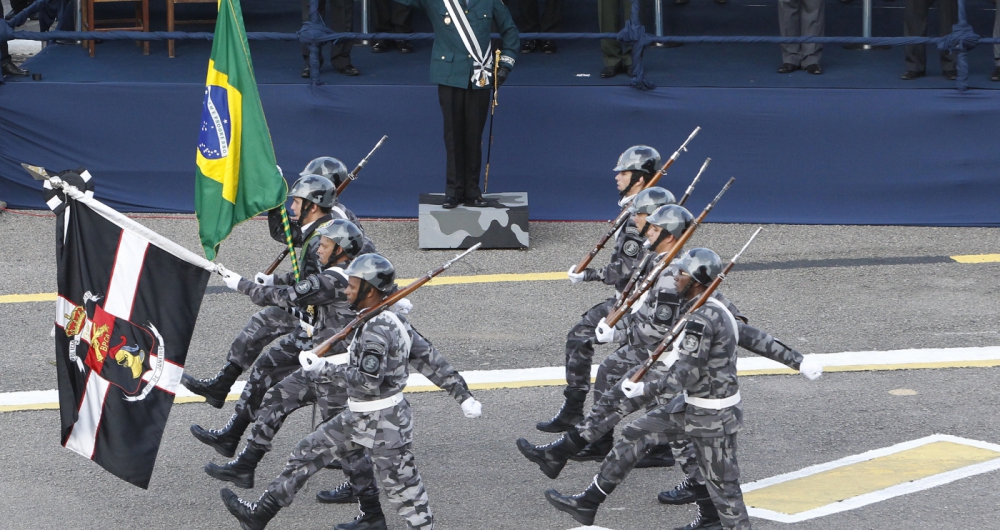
[{"x": 288, "y": 241}]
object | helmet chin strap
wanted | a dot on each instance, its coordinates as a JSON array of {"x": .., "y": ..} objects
[
  {"x": 362, "y": 294},
  {"x": 633, "y": 180},
  {"x": 336, "y": 258}
]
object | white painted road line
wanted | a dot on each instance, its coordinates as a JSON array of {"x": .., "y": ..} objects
[{"x": 556, "y": 375}]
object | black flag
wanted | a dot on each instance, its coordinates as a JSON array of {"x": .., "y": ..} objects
[{"x": 126, "y": 311}]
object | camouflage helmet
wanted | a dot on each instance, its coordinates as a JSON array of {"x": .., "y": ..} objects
[
  {"x": 315, "y": 189},
  {"x": 649, "y": 199},
  {"x": 639, "y": 158},
  {"x": 344, "y": 233},
  {"x": 701, "y": 264},
  {"x": 373, "y": 269},
  {"x": 326, "y": 166},
  {"x": 673, "y": 219}
]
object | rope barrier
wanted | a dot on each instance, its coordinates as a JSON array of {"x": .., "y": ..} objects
[{"x": 633, "y": 35}]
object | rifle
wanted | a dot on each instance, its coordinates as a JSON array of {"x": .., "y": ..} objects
[
  {"x": 637, "y": 273},
  {"x": 367, "y": 314},
  {"x": 626, "y": 303},
  {"x": 619, "y": 221},
  {"x": 678, "y": 326},
  {"x": 340, "y": 189}
]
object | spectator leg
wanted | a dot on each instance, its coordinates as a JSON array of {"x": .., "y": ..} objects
[
  {"x": 402, "y": 16},
  {"x": 609, "y": 20},
  {"x": 947, "y": 17},
  {"x": 915, "y": 25},
  {"x": 529, "y": 16},
  {"x": 341, "y": 19},
  {"x": 813, "y": 20},
  {"x": 552, "y": 17},
  {"x": 790, "y": 24},
  {"x": 996, "y": 35}
]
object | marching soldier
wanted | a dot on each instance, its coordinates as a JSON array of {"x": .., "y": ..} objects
[
  {"x": 614, "y": 406},
  {"x": 635, "y": 167},
  {"x": 646, "y": 325},
  {"x": 314, "y": 204},
  {"x": 378, "y": 418},
  {"x": 340, "y": 241},
  {"x": 462, "y": 67}
]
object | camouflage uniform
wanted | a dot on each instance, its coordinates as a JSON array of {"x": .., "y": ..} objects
[
  {"x": 272, "y": 322},
  {"x": 377, "y": 370},
  {"x": 325, "y": 292},
  {"x": 321, "y": 387},
  {"x": 703, "y": 367},
  {"x": 628, "y": 252}
]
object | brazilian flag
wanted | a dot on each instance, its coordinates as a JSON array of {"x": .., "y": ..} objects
[{"x": 237, "y": 176}]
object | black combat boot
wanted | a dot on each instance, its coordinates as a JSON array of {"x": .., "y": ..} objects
[
  {"x": 343, "y": 494},
  {"x": 596, "y": 450},
  {"x": 569, "y": 415},
  {"x": 683, "y": 493},
  {"x": 252, "y": 515},
  {"x": 371, "y": 517},
  {"x": 582, "y": 507},
  {"x": 707, "y": 517},
  {"x": 239, "y": 471},
  {"x": 552, "y": 458},
  {"x": 657, "y": 456},
  {"x": 216, "y": 389},
  {"x": 224, "y": 440}
]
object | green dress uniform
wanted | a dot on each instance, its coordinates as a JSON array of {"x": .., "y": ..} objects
[{"x": 463, "y": 104}]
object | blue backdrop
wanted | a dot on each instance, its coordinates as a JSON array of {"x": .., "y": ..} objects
[{"x": 851, "y": 156}]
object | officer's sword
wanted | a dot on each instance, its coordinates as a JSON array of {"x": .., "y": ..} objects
[{"x": 493, "y": 107}]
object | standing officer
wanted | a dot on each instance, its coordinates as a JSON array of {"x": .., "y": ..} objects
[
  {"x": 915, "y": 25},
  {"x": 462, "y": 67},
  {"x": 635, "y": 167}
]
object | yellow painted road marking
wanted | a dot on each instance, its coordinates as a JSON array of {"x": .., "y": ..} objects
[
  {"x": 440, "y": 280},
  {"x": 479, "y": 278},
  {"x": 867, "y": 478},
  {"x": 811, "y": 492},
  {"x": 977, "y": 258},
  {"x": 18, "y": 298}
]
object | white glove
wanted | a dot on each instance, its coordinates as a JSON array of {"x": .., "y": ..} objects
[
  {"x": 575, "y": 278},
  {"x": 631, "y": 389},
  {"x": 810, "y": 368},
  {"x": 404, "y": 306},
  {"x": 231, "y": 278},
  {"x": 310, "y": 361},
  {"x": 264, "y": 279},
  {"x": 604, "y": 333},
  {"x": 472, "y": 408}
]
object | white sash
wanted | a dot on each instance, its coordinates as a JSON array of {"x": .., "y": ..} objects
[{"x": 482, "y": 65}]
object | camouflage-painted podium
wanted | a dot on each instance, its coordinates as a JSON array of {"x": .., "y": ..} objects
[{"x": 501, "y": 224}]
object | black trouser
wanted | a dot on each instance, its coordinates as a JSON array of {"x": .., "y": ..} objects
[
  {"x": 340, "y": 18},
  {"x": 392, "y": 17},
  {"x": 551, "y": 16},
  {"x": 464, "y": 111},
  {"x": 915, "y": 25}
]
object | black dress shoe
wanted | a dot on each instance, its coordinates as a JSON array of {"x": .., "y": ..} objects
[
  {"x": 449, "y": 203},
  {"x": 787, "y": 68},
  {"x": 404, "y": 46},
  {"x": 910, "y": 75},
  {"x": 477, "y": 202},
  {"x": 9, "y": 68},
  {"x": 549, "y": 47},
  {"x": 611, "y": 71},
  {"x": 529, "y": 46},
  {"x": 382, "y": 46},
  {"x": 814, "y": 69},
  {"x": 995, "y": 76},
  {"x": 950, "y": 75},
  {"x": 350, "y": 70}
]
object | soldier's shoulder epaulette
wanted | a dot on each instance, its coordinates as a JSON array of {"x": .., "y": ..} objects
[
  {"x": 694, "y": 327},
  {"x": 307, "y": 285},
  {"x": 631, "y": 230}
]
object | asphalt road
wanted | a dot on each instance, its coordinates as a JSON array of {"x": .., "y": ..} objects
[{"x": 819, "y": 288}]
